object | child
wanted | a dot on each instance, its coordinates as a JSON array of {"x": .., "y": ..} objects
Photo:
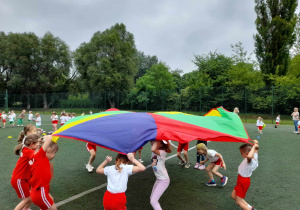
[
  {"x": 257, "y": 124},
  {"x": 41, "y": 174},
  {"x": 295, "y": 116},
  {"x": 38, "y": 120},
  {"x": 91, "y": 112},
  {"x": 54, "y": 119},
  {"x": 11, "y": 119},
  {"x": 21, "y": 117},
  {"x": 30, "y": 117},
  {"x": 216, "y": 162},
  {"x": 21, "y": 174},
  {"x": 260, "y": 125},
  {"x": 236, "y": 110},
  {"x": 248, "y": 165},
  {"x": 4, "y": 118},
  {"x": 0, "y": 117},
  {"x": 14, "y": 116},
  {"x": 92, "y": 149},
  {"x": 185, "y": 148},
  {"x": 298, "y": 125},
  {"x": 140, "y": 155},
  {"x": 159, "y": 153},
  {"x": 73, "y": 115},
  {"x": 117, "y": 178},
  {"x": 200, "y": 157},
  {"x": 277, "y": 121},
  {"x": 63, "y": 119}
]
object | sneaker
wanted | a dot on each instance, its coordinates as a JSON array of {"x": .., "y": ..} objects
[
  {"x": 211, "y": 184},
  {"x": 182, "y": 163},
  {"x": 140, "y": 160},
  {"x": 187, "y": 165},
  {"x": 201, "y": 167},
  {"x": 253, "y": 208},
  {"x": 224, "y": 181},
  {"x": 89, "y": 168},
  {"x": 196, "y": 166}
]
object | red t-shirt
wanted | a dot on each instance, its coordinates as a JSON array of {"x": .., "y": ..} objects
[
  {"x": 40, "y": 169},
  {"x": 22, "y": 169}
]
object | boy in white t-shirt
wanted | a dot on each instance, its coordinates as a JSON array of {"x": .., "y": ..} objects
[
  {"x": 30, "y": 117},
  {"x": 216, "y": 162},
  {"x": 248, "y": 165},
  {"x": 11, "y": 119},
  {"x": 4, "y": 118},
  {"x": 277, "y": 121},
  {"x": 38, "y": 120}
]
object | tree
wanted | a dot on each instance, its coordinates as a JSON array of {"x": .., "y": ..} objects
[
  {"x": 296, "y": 47},
  {"x": 108, "y": 61},
  {"x": 144, "y": 63},
  {"x": 275, "y": 36}
]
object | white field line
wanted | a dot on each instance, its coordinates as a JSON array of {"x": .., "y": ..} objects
[{"x": 102, "y": 186}]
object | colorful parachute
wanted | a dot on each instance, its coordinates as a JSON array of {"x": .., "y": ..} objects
[{"x": 126, "y": 132}]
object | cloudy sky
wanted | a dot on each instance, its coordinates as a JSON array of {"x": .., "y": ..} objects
[{"x": 173, "y": 30}]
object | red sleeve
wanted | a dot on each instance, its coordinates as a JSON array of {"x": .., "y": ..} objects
[{"x": 41, "y": 153}]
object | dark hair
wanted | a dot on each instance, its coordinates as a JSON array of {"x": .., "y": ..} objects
[
  {"x": 119, "y": 160},
  {"x": 53, "y": 147},
  {"x": 31, "y": 138},
  {"x": 246, "y": 147},
  {"x": 23, "y": 133}
]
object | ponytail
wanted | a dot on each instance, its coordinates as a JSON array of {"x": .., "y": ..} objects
[
  {"x": 27, "y": 140},
  {"x": 121, "y": 159}
]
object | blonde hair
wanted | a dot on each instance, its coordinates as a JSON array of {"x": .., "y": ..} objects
[
  {"x": 23, "y": 133},
  {"x": 121, "y": 159},
  {"x": 201, "y": 146},
  {"x": 31, "y": 138}
]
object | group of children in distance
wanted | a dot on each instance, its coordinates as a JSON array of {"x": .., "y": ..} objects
[{"x": 11, "y": 118}]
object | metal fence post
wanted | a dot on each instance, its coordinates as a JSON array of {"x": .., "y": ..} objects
[
  {"x": 272, "y": 103},
  {"x": 6, "y": 100},
  {"x": 245, "y": 104}
]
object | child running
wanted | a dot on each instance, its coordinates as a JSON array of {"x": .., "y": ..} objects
[
  {"x": 117, "y": 178},
  {"x": 11, "y": 119},
  {"x": 260, "y": 125},
  {"x": 30, "y": 117},
  {"x": 159, "y": 153},
  {"x": 54, "y": 119},
  {"x": 14, "y": 116},
  {"x": 41, "y": 174},
  {"x": 257, "y": 124},
  {"x": 38, "y": 120},
  {"x": 216, "y": 162},
  {"x": 277, "y": 121},
  {"x": 4, "y": 118},
  {"x": 92, "y": 149},
  {"x": 185, "y": 148},
  {"x": 21, "y": 174},
  {"x": 248, "y": 165},
  {"x": 21, "y": 117}
]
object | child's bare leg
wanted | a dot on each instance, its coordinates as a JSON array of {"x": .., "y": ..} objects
[
  {"x": 233, "y": 195},
  {"x": 186, "y": 156},
  {"x": 179, "y": 156},
  {"x": 53, "y": 207},
  {"x": 23, "y": 203},
  {"x": 215, "y": 171},
  {"x": 242, "y": 203},
  {"x": 140, "y": 153},
  {"x": 208, "y": 169},
  {"x": 93, "y": 156}
]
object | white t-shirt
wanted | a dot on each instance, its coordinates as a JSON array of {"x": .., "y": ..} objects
[
  {"x": 261, "y": 123},
  {"x": 30, "y": 116},
  {"x": 4, "y": 116},
  {"x": 257, "y": 122},
  {"x": 158, "y": 165},
  {"x": 11, "y": 118},
  {"x": 211, "y": 155},
  {"x": 246, "y": 169},
  {"x": 295, "y": 115},
  {"x": 38, "y": 121},
  {"x": 277, "y": 119},
  {"x": 14, "y": 115},
  {"x": 68, "y": 118},
  {"x": 116, "y": 181},
  {"x": 299, "y": 123},
  {"x": 53, "y": 118},
  {"x": 63, "y": 119}
]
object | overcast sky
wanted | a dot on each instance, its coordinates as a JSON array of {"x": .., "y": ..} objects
[{"x": 173, "y": 30}]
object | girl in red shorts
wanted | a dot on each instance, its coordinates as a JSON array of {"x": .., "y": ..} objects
[
  {"x": 216, "y": 162},
  {"x": 248, "y": 165},
  {"x": 54, "y": 119},
  {"x": 117, "y": 178},
  {"x": 21, "y": 174},
  {"x": 41, "y": 174},
  {"x": 92, "y": 149}
]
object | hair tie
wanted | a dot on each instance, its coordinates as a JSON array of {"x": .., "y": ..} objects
[{"x": 23, "y": 141}]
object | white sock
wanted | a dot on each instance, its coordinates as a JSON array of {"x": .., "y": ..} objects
[{"x": 249, "y": 206}]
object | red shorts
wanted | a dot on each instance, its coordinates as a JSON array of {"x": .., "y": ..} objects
[
  {"x": 41, "y": 198},
  {"x": 218, "y": 163},
  {"x": 184, "y": 147},
  {"x": 260, "y": 127},
  {"x": 4, "y": 120},
  {"x": 242, "y": 186},
  {"x": 62, "y": 124},
  {"x": 55, "y": 122},
  {"x": 90, "y": 147},
  {"x": 298, "y": 126},
  {"x": 277, "y": 123},
  {"x": 21, "y": 186},
  {"x": 113, "y": 201}
]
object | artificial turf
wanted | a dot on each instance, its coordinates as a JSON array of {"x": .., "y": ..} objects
[{"x": 275, "y": 183}]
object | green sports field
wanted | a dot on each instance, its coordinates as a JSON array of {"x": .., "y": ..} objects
[{"x": 275, "y": 183}]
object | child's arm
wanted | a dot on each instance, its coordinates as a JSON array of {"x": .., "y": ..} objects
[
  {"x": 100, "y": 169},
  {"x": 223, "y": 162},
  {"x": 154, "y": 148},
  {"x": 139, "y": 167},
  {"x": 47, "y": 142},
  {"x": 252, "y": 151},
  {"x": 202, "y": 162}
]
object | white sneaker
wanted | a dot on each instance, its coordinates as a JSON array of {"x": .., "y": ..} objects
[
  {"x": 181, "y": 163},
  {"x": 89, "y": 168},
  {"x": 140, "y": 160},
  {"x": 196, "y": 166},
  {"x": 187, "y": 165},
  {"x": 201, "y": 167}
]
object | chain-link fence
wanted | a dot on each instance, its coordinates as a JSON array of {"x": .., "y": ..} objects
[{"x": 263, "y": 100}]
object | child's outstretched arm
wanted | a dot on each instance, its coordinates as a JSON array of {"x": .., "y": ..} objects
[
  {"x": 100, "y": 169},
  {"x": 47, "y": 141},
  {"x": 252, "y": 151},
  {"x": 139, "y": 167},
  {"x": 222, "y": 159},
  {"x": 154, "y": 148}
]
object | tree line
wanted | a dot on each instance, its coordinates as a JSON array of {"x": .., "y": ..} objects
[{"x": 111, "y": 62}]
